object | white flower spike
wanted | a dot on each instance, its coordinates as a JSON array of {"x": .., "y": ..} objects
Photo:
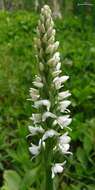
[{"x": 50, "y": 119}]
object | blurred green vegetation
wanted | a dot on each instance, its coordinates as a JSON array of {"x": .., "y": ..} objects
[{"x": 17, "y": 69}]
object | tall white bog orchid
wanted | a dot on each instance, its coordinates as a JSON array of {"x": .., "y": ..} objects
[{"x": 49, "y": 99}]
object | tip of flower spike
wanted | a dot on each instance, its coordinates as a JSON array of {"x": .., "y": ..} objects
[
  {"x": 46, "y": 7},
  {"x": 46, "y": 10}
]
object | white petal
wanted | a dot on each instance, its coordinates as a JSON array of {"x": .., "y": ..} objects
[
  {"x": 51, "y": 40},
  {"x": 56, "y": 73},
  {"x": 35, "y": 130},
  {"x": 64, "y": 143},
  {"x": 64, "y": 121},
  {"x": 49, "y": 134},
  {"x": 52, "y": 47},
  {"x": 40, "y": 103},
  {"x": 58, "y": 66},
  {"x": 64, "y": 139},
  {"x": 38, "y": 84},
  {"x": 64, "y": 149},
  {"x": 51, "y": 31},
  {"x": 34, "y": 94},
  {"x": 56, "y": 57},
  {"x": 58, "y": 81},
  {"x": 48, "y": 114},
  {"x": 36, "y": 118},
  {"x": 35, "y": 150},
  {"x": 63, "y": 105},
  {"x": 37, "y": 78},
  {"x": 57, "y": 168},
  {"x": 64, "y": 94},
  {"x": 54, "y": 61}
]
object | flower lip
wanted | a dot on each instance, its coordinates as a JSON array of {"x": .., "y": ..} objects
[
  {"x": 47, "y": 115},
  {"x": 36, "y": 118},
  {"x": 63, "y": 105},
  {"x": 57, "y": 168},
  {"x": 34, "y": 149},
  {"x": 35, "y": 130},
  {"x": 40, "y": 103},
  {"x": 49, "y": 134},
  {"x": 64, "y": 94}
]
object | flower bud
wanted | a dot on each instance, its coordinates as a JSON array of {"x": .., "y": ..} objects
[{"x": 41, "y": 66}]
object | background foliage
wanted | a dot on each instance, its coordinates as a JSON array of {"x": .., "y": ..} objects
[{"x": 17, "y": 69}]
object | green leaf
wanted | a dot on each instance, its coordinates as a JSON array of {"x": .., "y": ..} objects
[
  {"x": 81, "y": 156},
  {"x": 12, "y": 180},
  {"x": 87, "y": 143},
  {"x": 29, "y": 178}
]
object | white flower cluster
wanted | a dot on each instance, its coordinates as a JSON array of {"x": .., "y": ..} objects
[{"x": 47, "y": 95}]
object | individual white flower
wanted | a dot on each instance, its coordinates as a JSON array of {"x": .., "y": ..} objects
[
  {"x": 54, "y": 60},
  {"x": 63, "y": 121},
  {"x": 45, "y": 37},
  {"x": 36, "y": 118},
  {"x": 51, "y": 40},
  {"x": 51, "y": 32},
  {"x": 48, "y": 114},
  {"x": 64, "y": 148},
  {"x": 63, "y": 143},
  {"x": 57, "y": 168},
  {"x": 38, "y": 82},
  {"x": 49, "y": 134},
  {"x": 49, "y": 23},
  {"x": 58, "y": 66},
  {"x": 34, "y": 94},
  {"x": 63, "y": 105},
  {"x": 38, "y": 78},
  {"x": 56, "y": 57},
  {"x": 34, "y": 149},
  {"x": 35, "y": 130},
  {"x": 52, "y": 47},
  {"x": 56, "y": 73},
  {"x": 40, "y": 103},
  {"x": 64, "y": 94},
  {"x": 42, "y": 28},
  {"x": 37, "y": 43},
  {"x": 64, "y": 139},
  {"x": 59, "y": 80}
]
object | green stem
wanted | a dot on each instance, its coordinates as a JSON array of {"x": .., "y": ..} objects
[
  {"x": 47, "y": 167},
  {"x": 49, "y": 181}
]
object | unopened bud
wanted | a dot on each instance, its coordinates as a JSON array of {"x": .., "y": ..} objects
[
  {"x": 42, "y": 18},
  {"x": 50, "y": 31},
  {"x": 51, "y": 40},
  {"x": 41, "y": 66},
  {"x": 56, "y": 45},
  {"x": 45, "y": 38},
  {"x": 42, "y": 28}
]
